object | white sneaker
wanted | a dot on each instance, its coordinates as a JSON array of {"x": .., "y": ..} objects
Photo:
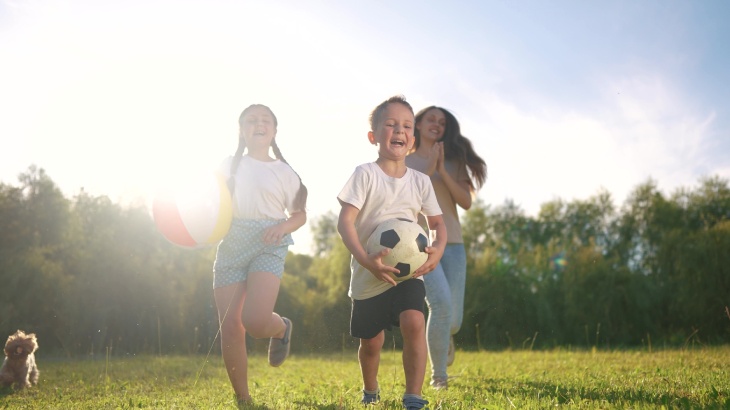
[{"x": 440, "y": 384}]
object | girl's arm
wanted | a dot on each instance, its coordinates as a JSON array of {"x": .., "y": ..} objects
[
  {"x": 295, "y": 221},
  {"x": 373, "y": 263}
]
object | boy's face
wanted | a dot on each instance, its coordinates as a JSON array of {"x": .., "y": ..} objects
[{"x": 394, "y": 134}]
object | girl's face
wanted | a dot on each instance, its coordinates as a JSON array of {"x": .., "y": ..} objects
[
  {"x": 432, "y": 125},
  {"x": 258, "y": 128},
  {"x": 394, "y": 134}
]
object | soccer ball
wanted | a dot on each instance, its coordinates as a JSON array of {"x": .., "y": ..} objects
[{"x": 407, "y": 242}]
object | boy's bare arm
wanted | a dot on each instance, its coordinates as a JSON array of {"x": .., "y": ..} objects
[{"x": 436, "y": 250}]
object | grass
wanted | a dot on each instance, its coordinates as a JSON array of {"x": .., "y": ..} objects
[{"x": 691, "y": 378}]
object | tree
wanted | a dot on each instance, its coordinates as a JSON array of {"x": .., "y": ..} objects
[{"x": 324, "y": 232}]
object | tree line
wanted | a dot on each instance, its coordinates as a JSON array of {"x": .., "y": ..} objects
[{"x": 93, "y": 277}]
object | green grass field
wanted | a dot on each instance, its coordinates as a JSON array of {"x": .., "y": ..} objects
[{"x": 692, "y": 378}]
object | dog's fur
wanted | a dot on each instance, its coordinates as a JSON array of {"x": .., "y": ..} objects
[{"x": 19, "y": 368}]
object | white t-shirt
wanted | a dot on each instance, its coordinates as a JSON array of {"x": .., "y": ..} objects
[
  {"x": 380, "y": 197},
  {"x": 264, "y": 190}
]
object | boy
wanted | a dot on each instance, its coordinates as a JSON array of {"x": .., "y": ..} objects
[{"x": 376, "y": 192}]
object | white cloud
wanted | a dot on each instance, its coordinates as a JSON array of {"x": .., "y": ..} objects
[{"x": 644, "y": 129}]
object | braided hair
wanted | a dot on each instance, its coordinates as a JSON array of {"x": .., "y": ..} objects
[{"x": 300, "y": 200}]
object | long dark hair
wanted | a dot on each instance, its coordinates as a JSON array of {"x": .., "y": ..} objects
[
  {"x": 457, "y": 147},
  {"x": 300, "y": 200}
]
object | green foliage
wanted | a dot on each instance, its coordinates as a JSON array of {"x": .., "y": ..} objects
[
  {"x": 688, "y": 378},
  {"x": 582, "y": 273},
  {"x": 92, "y": 277}
]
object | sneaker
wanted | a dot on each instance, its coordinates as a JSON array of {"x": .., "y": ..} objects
[
  {"x": 279, "y": 348},
  {"x": 414, "y": 403},
  {"x": 440, "y": 384},
  {"x": 370, "y": 398},
  {"x": 451, "y": 355}
]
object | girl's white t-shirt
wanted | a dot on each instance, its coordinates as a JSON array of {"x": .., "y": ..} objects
[
  {"x": 263, "y": 189},
  {"x": 380, "y": 197}
]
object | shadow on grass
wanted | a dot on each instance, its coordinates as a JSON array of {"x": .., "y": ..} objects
[
  {"x": 565, "y": 395},
  {"x": 310, "y": 404},
  {"x": 253, "y": 406}
]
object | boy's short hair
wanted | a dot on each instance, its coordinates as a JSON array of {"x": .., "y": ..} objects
[{"x": 377, "y": 114}]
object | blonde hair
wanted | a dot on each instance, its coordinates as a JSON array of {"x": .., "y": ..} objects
[{"x": 376, "y": 116}]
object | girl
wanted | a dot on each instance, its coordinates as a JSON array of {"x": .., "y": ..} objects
[
  {"x": 269, "y": 204},
  {"x": 456, "y": 172}
]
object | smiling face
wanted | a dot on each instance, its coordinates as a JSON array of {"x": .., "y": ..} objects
[
  {"x": 431, "y": 125},
  {"x": 258, "y": 128},
  {"x": 394, "y": 132}
]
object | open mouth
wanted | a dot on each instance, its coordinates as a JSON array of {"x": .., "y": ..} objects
[{"x": 398, "y": 143}]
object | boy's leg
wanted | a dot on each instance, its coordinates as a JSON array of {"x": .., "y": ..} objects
[
  {"x": 370, "y": 318},
  {"x": 369, "y": 357},
  {"x": 229, "y": 302},
  {"x": 413, "y": 329}
]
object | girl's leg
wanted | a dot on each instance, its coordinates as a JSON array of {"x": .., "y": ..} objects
[
  {"x": 258, "y": 312},
  {"x": 454, "y": 264},
  {"x": 438, "y": 299},
  {"x": 229, "y": 301},
  {"x": 412, "y": 325},
  {"x": 369, "y": 356}
]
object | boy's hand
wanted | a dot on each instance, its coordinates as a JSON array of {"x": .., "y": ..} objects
[
  {"x": 434, "y": 256},
  {"x": 378, "y": 269}
]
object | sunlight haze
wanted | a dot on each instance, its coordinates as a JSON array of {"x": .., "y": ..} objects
[{"x": 561, "y": 99}]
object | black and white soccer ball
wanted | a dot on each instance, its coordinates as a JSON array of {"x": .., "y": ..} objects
[{"x": 407, "y": 242}]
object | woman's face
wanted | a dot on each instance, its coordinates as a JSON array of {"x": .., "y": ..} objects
[
  {"x": 258, "y": 127},
  {"x": 432, "y": 125}
]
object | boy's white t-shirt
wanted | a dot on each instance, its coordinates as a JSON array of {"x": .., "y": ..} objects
[
  {"x": 263, "y": 190},
  {"x": 380, "y": 197}
]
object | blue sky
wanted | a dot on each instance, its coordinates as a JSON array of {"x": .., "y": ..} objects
[{"x": 561, "y": 99}]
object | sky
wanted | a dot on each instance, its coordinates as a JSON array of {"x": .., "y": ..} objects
[{"x": 562, "y": 99}]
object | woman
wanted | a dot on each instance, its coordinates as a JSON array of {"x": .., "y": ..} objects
[{"x": 456, "y": 172}]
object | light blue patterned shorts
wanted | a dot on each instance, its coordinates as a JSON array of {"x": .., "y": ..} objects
[{"x": 243, "y": 251}]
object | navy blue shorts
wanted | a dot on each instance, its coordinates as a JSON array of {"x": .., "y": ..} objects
[{"x": 382, "y": 312}]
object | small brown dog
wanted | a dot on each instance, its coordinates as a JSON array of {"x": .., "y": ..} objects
[{"x": 19, "y": 367}]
